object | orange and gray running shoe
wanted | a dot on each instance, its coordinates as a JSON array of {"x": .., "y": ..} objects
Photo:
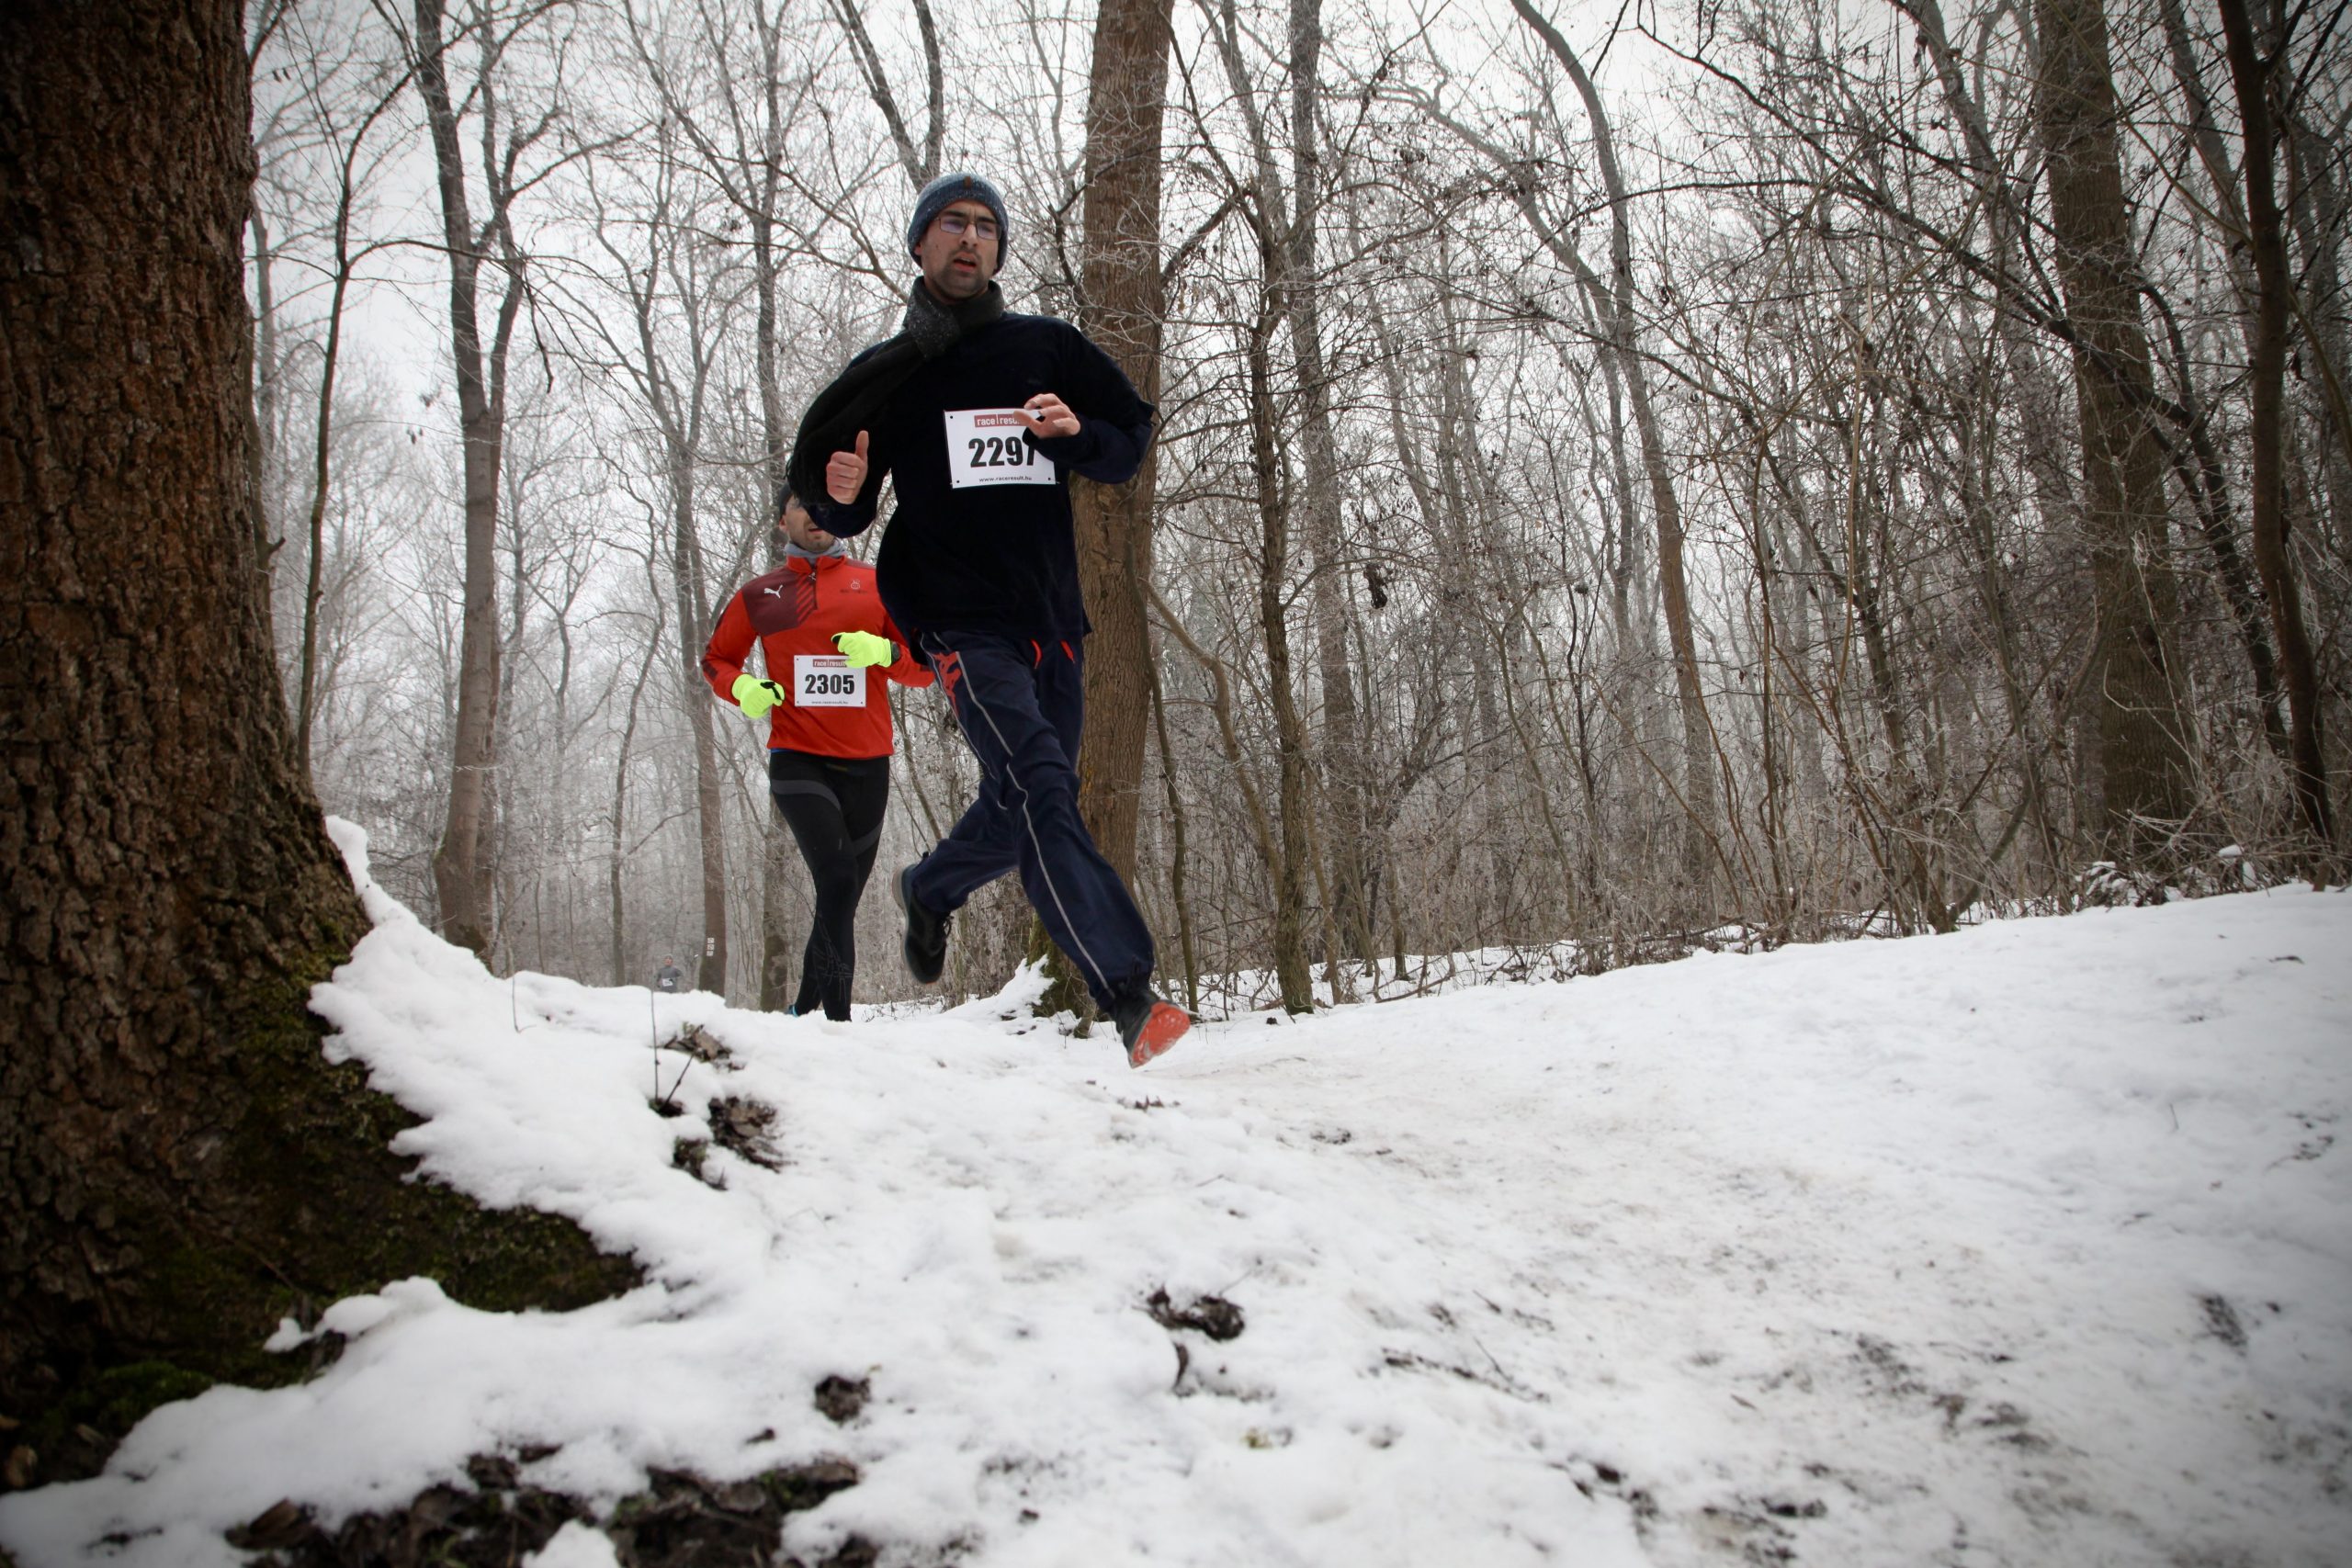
[{"x": 1147, "y": 1026}]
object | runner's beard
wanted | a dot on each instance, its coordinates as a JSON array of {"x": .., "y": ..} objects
[{"x": 956, "y": 284}]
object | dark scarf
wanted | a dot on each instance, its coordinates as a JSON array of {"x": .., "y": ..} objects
[{"x": 858, "y": 394}]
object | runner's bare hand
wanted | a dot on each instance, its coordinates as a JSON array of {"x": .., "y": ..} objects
[
  {"x": 845, "y": 473},
  {"x": 1051, "y": 416}
]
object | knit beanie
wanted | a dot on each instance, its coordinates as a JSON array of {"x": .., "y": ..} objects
[{"x": 948, "y": 188}]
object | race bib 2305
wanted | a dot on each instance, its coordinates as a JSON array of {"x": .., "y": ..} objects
[
  {"x": 826, "y": 681},
  {"x": 986, "y": 446}
]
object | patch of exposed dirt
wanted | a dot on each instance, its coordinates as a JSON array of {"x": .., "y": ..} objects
[
  {"x": 1212, "y": 1315},
  {"x": 747, "y": 1128},
  {"x": 702, "y": 1045},
  {"x": 681, "y": 1520},
  {"x": 841, "y": 1399}
]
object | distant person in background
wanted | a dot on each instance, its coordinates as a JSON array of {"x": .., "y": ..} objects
[
  {"x": 822, "y": 632},
  {"x": 669, "y": 978}
]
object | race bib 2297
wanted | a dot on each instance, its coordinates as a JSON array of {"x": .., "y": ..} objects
[{"x": 986, "y": 446}]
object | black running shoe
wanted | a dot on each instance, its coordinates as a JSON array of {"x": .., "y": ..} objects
[
  {"x": 1147, "y": 1026},
  {"x": 925, "y": 947}
]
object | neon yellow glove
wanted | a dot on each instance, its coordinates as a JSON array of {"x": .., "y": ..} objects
[
  {"x": 756, "y": 696},
  {"x": 863, "y": 648}
]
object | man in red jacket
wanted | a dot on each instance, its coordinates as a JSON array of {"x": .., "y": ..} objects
[{"x": 822, "y": 630}]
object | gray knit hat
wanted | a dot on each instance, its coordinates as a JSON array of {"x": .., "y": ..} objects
[{"x": 948, "y": 188}]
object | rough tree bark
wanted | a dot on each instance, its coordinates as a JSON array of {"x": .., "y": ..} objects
[
  {"x": 1124, "y": 308},
  {"x": 2142, "y": 753},
  {"x": 179, "y": 1165}
]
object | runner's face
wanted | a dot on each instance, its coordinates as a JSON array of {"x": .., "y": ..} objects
[
  {"x": 802, "y": 530},
  {"x": 959, "y": 266}
]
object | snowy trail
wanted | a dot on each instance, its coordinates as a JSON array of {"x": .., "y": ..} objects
[
  {"x": 1900, "y": 1252},
  {"x": 2027, "y": 1244}
]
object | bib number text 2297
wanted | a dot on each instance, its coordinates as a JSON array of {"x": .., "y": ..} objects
[{"x": 985, "y": 446}]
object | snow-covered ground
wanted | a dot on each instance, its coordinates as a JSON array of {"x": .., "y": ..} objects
[{"x": 2028, "y": 1245}]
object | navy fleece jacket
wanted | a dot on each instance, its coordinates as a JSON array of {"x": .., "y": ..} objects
[{"x": 984, "y": 556}]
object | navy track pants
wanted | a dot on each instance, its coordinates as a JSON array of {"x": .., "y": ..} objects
[{"x": 1022, "y": 706}]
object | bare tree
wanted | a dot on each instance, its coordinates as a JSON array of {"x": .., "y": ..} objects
[
  {"x": 343, "y": 129},
  {"x": 920, "y": 163},
  {"x": 735, "y": 99},
  {"x": 1125, "y": 296},
  {"x": 2142, "y": 754},
  {"x": 461, "y": 867},
  {"x": 679, "y": 294},
  {"x": 2256, "y": 70},
  {"x": 1820, "y": 537}
]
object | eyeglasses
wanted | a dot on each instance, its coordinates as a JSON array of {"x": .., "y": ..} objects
[{"x": 955, "y": 223}]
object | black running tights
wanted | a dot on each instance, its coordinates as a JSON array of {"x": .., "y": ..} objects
[{"x": 835, "y": 806}]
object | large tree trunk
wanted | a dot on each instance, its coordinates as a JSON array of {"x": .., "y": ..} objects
[
  {"x": 2198, "y": 469},
  {"x": 1125, "y": 306},
  {"x": 179, "y": 1166},
  {"x": 2142, "y": 753},
  {"x": 2205, "y": 484},
  {"x": 2268, "y": 232}
]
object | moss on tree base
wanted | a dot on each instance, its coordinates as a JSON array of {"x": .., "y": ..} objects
[
  {"x": 305, "y": 1204},
  {"x": 1064, "y": 992}
]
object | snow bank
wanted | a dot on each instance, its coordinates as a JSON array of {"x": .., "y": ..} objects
[{"x": 2027, "y": 1244}]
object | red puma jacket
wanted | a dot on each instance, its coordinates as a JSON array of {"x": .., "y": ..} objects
[{"x": 794, "y": 612}]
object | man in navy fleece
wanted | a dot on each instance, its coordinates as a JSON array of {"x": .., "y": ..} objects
[{"x": 980, "y": 417}]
